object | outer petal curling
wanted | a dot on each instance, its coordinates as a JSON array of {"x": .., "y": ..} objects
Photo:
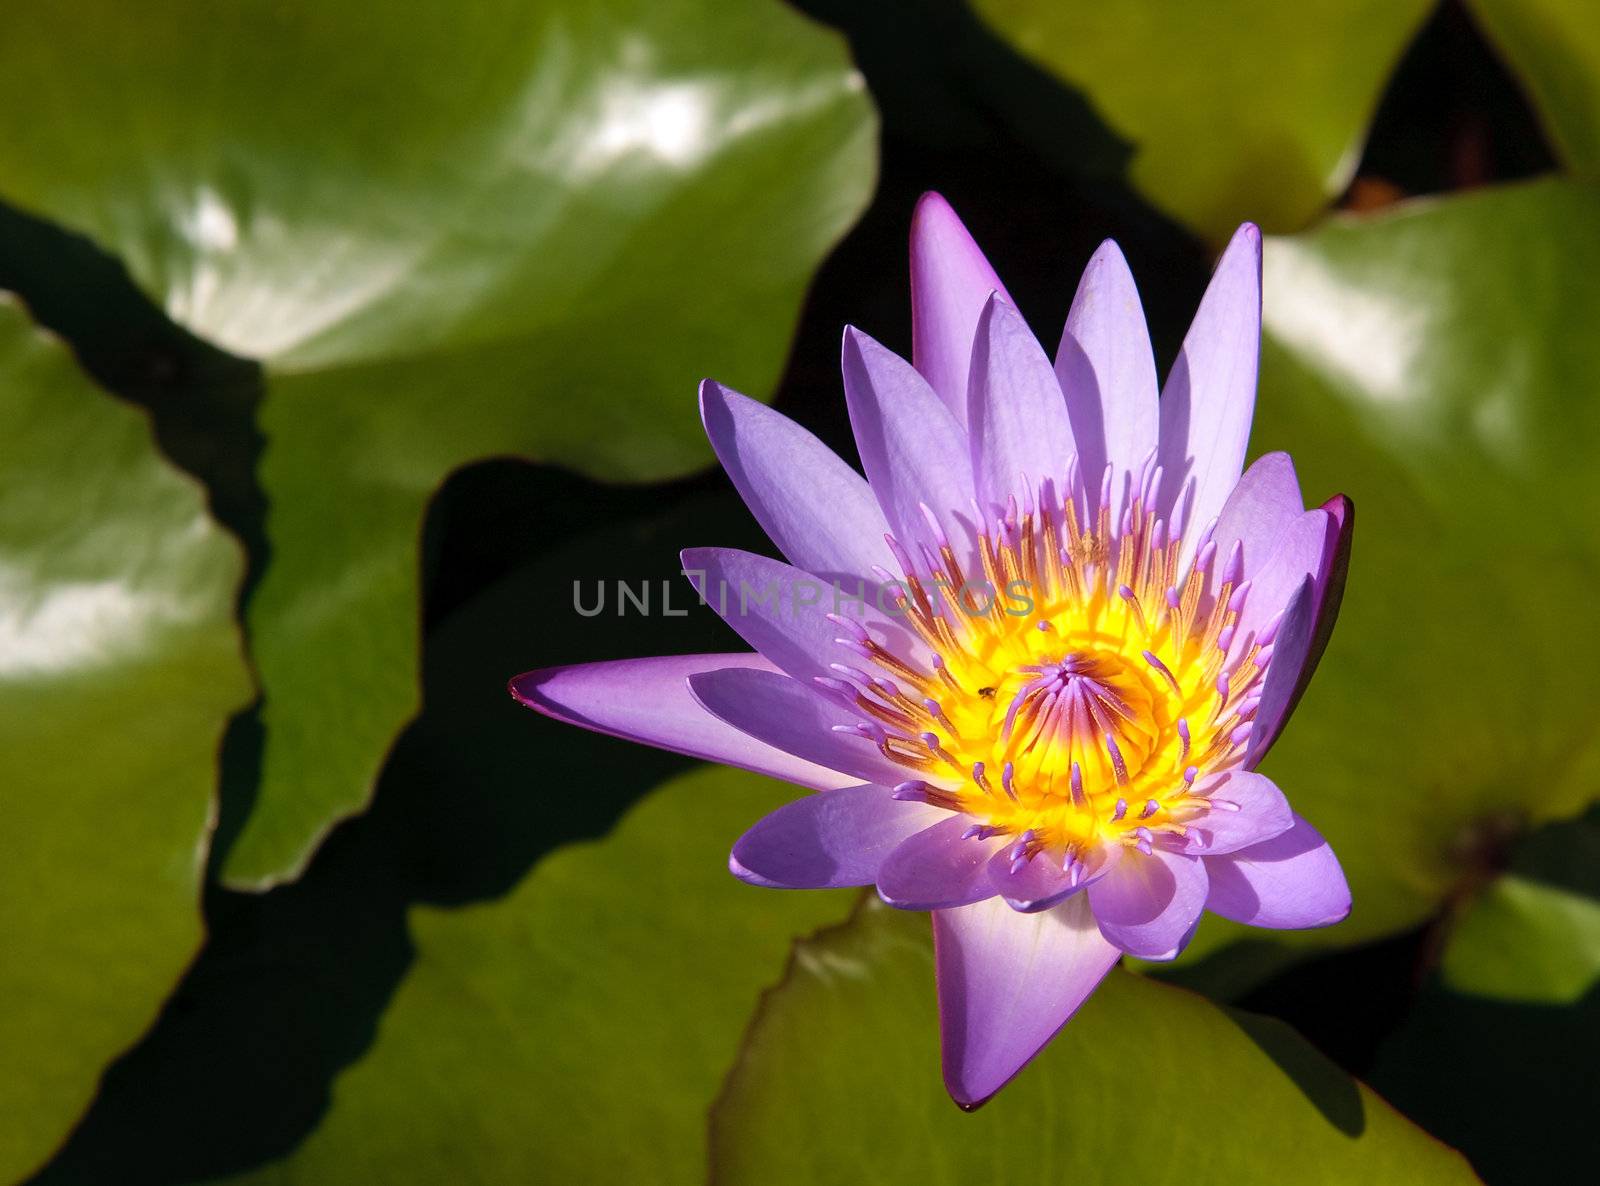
[
  {"x": 1008, "y": 982},
  {"x": 1289, "y": 882},
  {"x": 826, "y": 840}
]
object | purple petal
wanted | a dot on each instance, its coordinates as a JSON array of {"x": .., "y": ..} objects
[
  {"x": 938, "y": 868},
  {"x": 1016, "y": 415},
  {"x": 1290, "y": 881},
  {"x": 1107, "y": 371},
  {"x": 1036, "y": 885},
  {"x": 783, "y": 612},
  {"x": 1043, "y": 882},
  {"x": 830, "y": 839},
  {"x": 1210, "y": 395},
  {"x": 1259, "y": 813},
  {"x": 950, "y": 281},
  {"x": 819, "y": 512},
  {"x": 1282, "y": 686},
  {"x": 787, "y": 715},
  {"x": 913, "y": 449},
  {"x": 1008, "y": 982},
  {"x": 1264, "y": 505},
  {"x": 1147, "y": 904},
  {"x": 1301, "y": 546},
  {"x": 1331, "y": 575},
  {"x": 647, "y": 700}
]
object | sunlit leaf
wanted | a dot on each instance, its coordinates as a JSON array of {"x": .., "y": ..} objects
[
  {"x": 1438, "y": 365},
  {"x": 577, "y": 1030},
  {"x": 839, "y": 1082},
  {"x": 1238, "y": 109},
  {"x": 462, "y": 230},
  {"x": 119, "y": 667}
]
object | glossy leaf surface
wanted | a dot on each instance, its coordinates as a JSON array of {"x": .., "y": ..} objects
[
  {"x": 119, "y": 667},
  {"x": 482, "y": 228}
]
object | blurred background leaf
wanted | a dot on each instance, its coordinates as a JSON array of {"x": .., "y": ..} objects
[
  {"x": 528, "y": 224},
  {"x": 1533, "y": 933},
  {"x": 1554, "y": 47},
  {"x": 1148, "y": 1083},
  {"x": 119, "y": 668},
  {"x": 595, "y": 984},
  {"x": 1235, "y": 110}
]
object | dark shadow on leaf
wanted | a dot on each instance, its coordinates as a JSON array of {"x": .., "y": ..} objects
[
  {"x": 202, "y": 403},
  {"x": 1329, "y": 1089},
  {"x": 1512, "y": 1086},
  {"x": 291, "y": 984}
]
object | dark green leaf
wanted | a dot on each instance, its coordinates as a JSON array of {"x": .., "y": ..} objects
[{"x": 119, "y": 667}]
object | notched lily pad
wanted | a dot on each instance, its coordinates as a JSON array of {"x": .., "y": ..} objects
[
  {"x": 577, "y": 1030},
  {"x": 1145, "y": 1079},
  {"x": 119, "y": 667}
]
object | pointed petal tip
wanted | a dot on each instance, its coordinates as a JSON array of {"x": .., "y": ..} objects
[
  {"x": 959, "y": 1097},
  {"x": 523, "y": 687},
  {"x": 527, "y": 690},
  {"x": 744, "y": 874},
  {"x": 1341, "y": 509},
  {"x": 931, "y": 204},
  {"x": 1109, "y": 254}
]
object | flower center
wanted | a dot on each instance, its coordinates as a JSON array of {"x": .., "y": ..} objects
[{"x": 1080, "y": 685}]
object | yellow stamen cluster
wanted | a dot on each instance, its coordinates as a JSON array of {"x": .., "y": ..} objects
[{"x": 1078, "y": 689}]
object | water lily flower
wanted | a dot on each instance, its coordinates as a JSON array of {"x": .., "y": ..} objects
[{"x": 1030, "y": 663}]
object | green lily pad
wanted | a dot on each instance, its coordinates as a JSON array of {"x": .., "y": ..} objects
[
  {"x": 1237, "y": 110},
  {"x": 1521, "y": 940},
  {"x": 838, "y": 1081},
  {"x": 1437, "y": 365},
  {"x": 1553, "y": 46},
  {"x": 1533, "y": 934},
  {"x": 470, "y": 229},
  {"x": 576, "y": 1031},
  {"x": 119, "y": 668}
]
